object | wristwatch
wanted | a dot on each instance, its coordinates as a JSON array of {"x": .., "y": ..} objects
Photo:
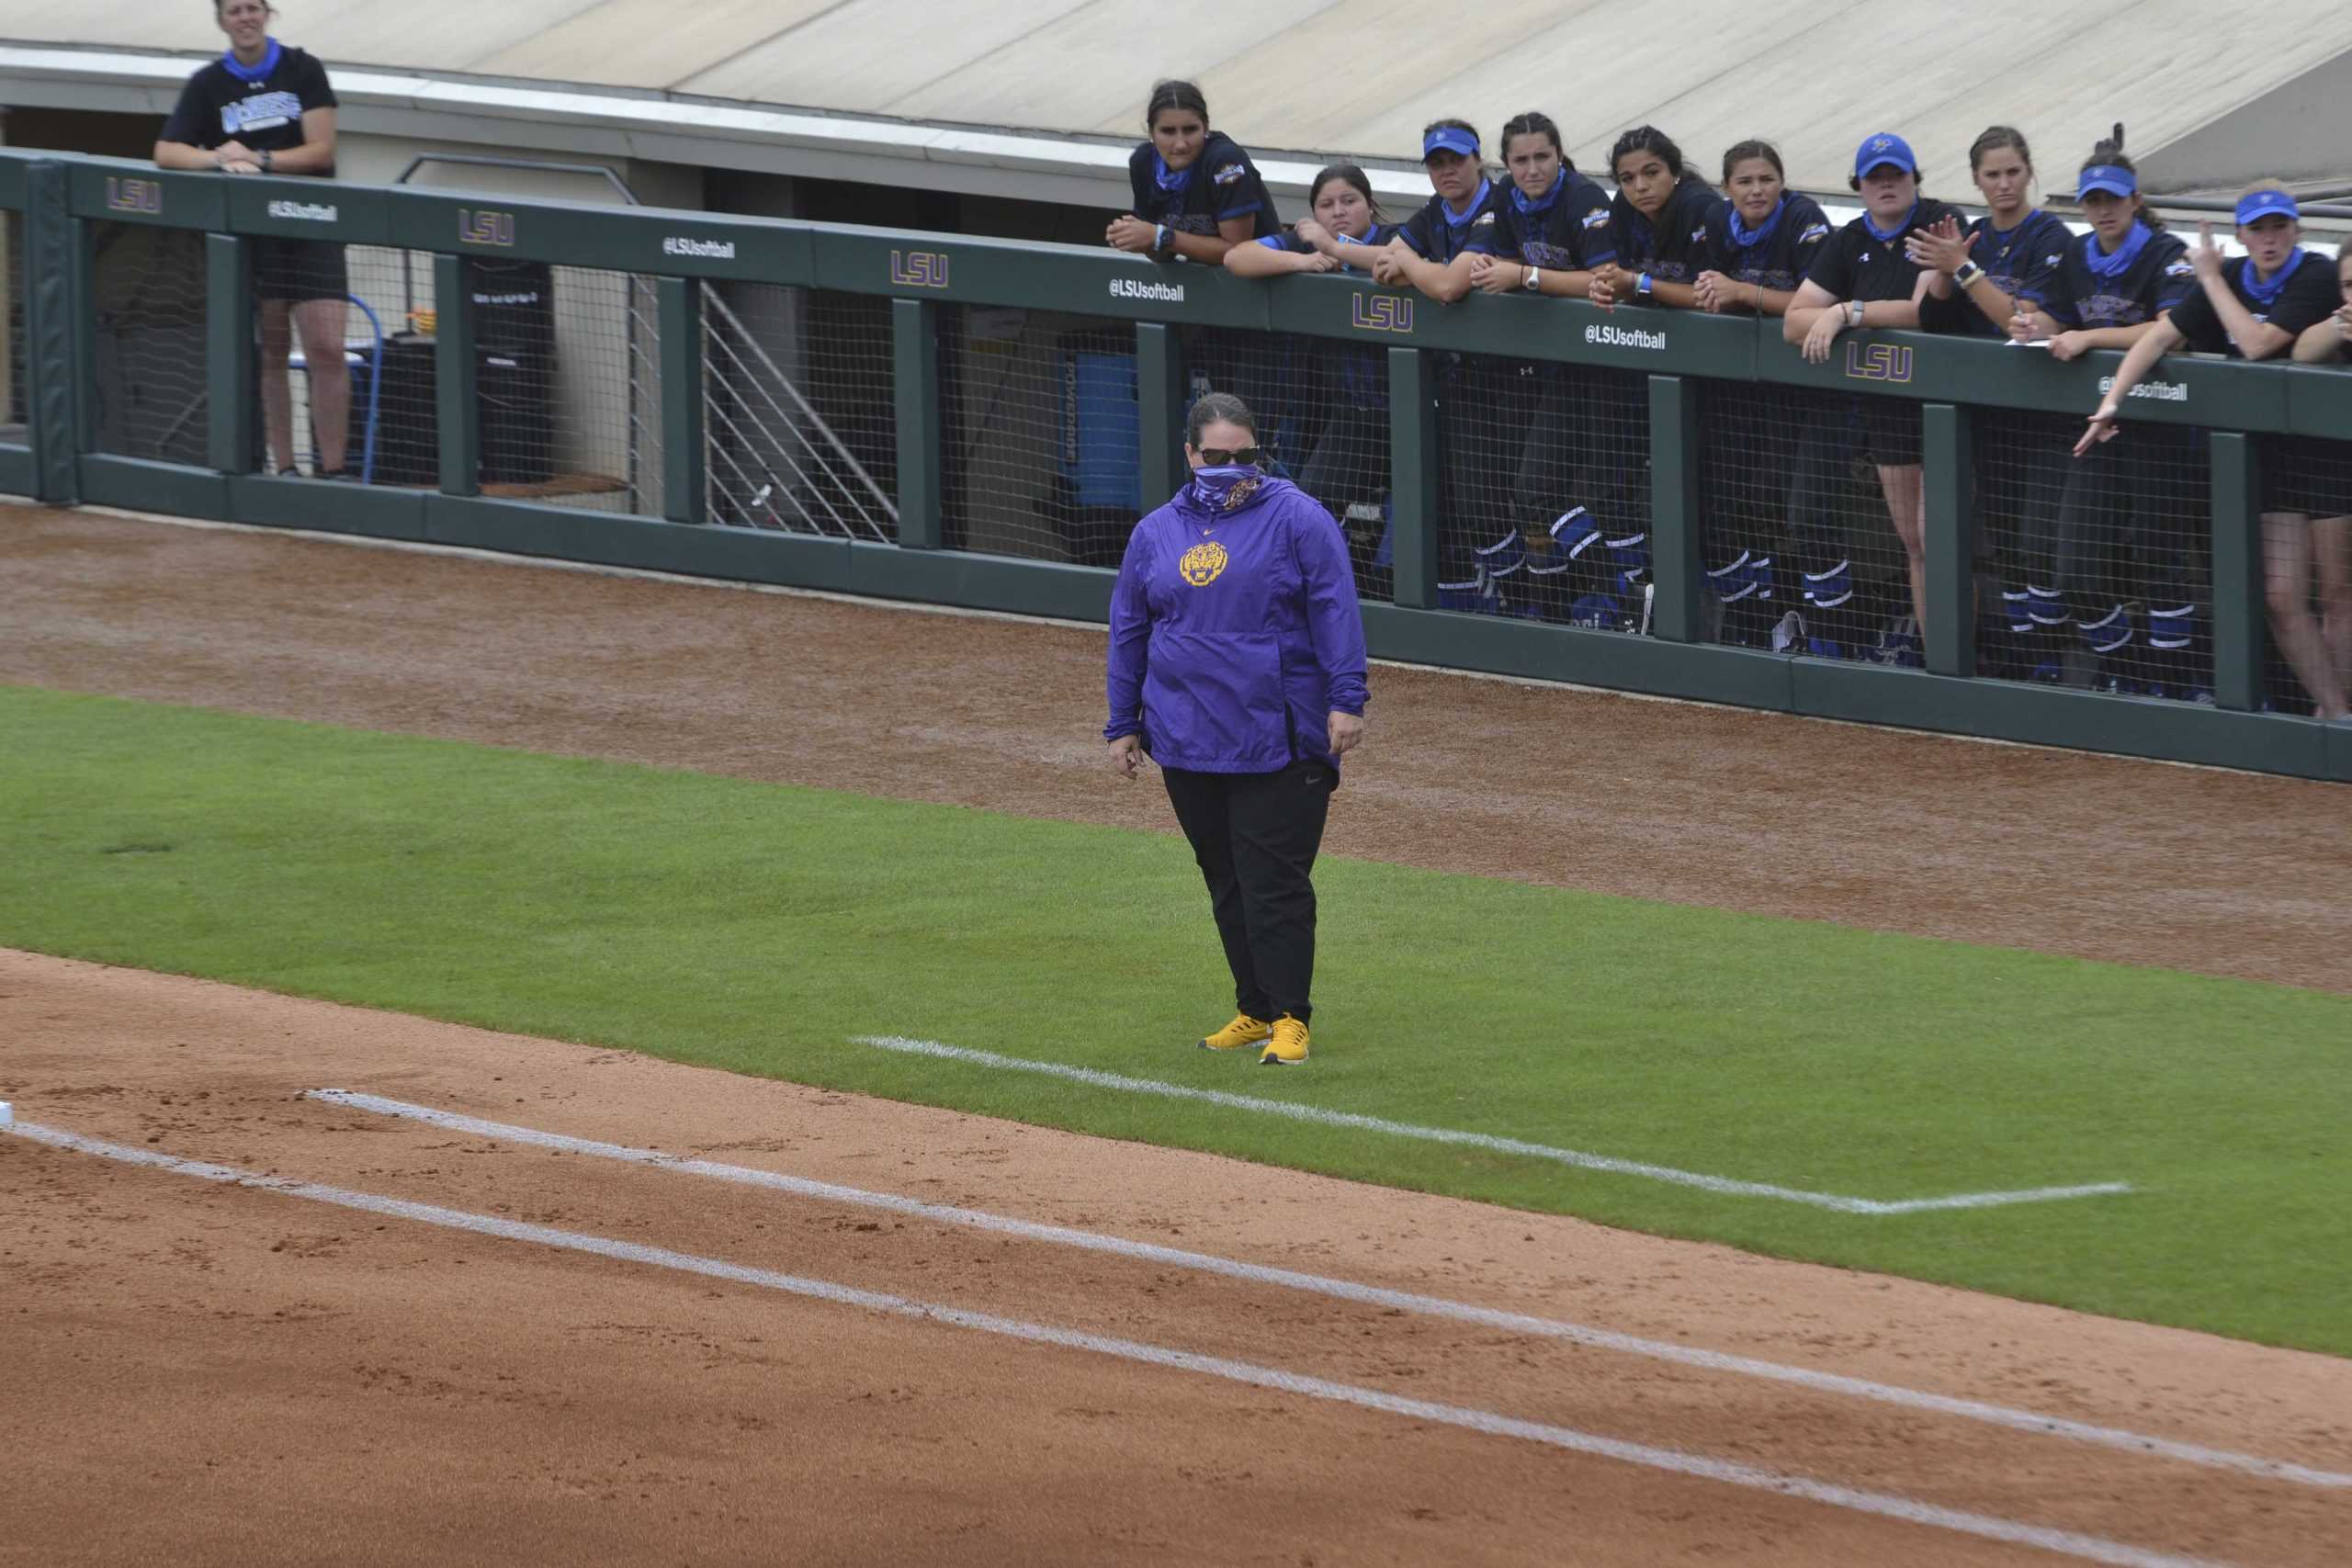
[
  {"x": 1966, "y": 274},
  {"x": 1853, "y": 312},
  {"x": 1533, "y": 278},
  {"x": 268, "y": 158},
  {"x": 1642, "y": 285}
]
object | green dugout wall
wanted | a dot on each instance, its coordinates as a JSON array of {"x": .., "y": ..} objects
[{"x": 60, "y": 208}]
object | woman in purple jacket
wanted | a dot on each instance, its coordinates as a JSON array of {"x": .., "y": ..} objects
[{"x": 1238, "y": 663}]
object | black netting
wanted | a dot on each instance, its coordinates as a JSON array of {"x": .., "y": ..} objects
[
  {"x": 2307, "y": 572},
  {"x": 1797, "y": 491},
  {"x": 1043, "y": 453},
  {"x": 15, "y": 402},
  {"x": 800, "y": 427},
  {"x": 345, "y": 375},
  {"x": 148, "y": 305},
  {"x": 1322, "y": 409},
  {"x": 571, "y": 385},
  {"x": 1543, "y": 491},
  {"x": 2095, "y": 570}
]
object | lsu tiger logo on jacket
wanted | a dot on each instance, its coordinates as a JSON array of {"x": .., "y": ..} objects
[{"x": 1202, "y": 564}]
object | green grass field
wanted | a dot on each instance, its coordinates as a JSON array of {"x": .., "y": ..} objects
[{"x": 762, "y": 928}]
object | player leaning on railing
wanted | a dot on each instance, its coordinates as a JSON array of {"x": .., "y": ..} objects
[
  {"x": 2110, "y": 288},
  {"x": 1196, "y": 193},
  {"x": 1760, "y": 244},
  {"x": 1551, "y": 234},
  {"x": 2255, "y": 307},
  {"x": 263, "y": 109},
  {"x": 1865, "y": 277},
  {"x": 2329, "y": 342}
]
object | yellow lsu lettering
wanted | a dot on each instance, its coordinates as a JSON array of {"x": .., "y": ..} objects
[
  {"x": 919, "y": 269},
  {"x": 1382, "y": 313},
  {"x": 485, "y": 228},
  {"x": 134, "y": 196},
  {"x": 1878, "y": 362}
]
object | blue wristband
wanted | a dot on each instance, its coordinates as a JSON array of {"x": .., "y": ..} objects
[
  {"x": 1160, "y": 237},
  {"x": 1642, "y": 283}
]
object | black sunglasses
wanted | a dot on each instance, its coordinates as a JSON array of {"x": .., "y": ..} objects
[{"x": 1222, "y": 458}]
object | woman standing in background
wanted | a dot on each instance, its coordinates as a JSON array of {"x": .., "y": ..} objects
[{"x": 263, "y": 109}]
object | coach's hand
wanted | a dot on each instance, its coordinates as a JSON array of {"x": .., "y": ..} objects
[
  {"x": 1347, "y": 731},
  {"x": 1127, "y": 756}
]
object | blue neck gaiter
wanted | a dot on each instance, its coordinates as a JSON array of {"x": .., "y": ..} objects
[
  {"x": 1886, "y": 235},
  {"x": 2115, "y": 264},
  {"x": 1520, "y": 199},
  {"x": 1748, "y": 239},
  {"x": 250, "y": 73},
  {"x": 2266, "y": 294},
  {"x": 1172, "y": 179}
]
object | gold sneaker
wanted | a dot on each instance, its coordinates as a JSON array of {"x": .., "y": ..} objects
[
  {"x": 1243, "y": 1031},
  {"x": 1286, "y": 1043}
]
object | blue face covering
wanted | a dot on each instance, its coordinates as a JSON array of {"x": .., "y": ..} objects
[
  {"x": 1748, "y": 239},
  {"x": 1886, "y": 236},
  {"x": 244, "y": 73},
  {"x": 1226, "y": 488},
  {"x": 1519, "y": 199},
  {"x": 2120, "y": 262},
  {"x": 2266, "y": 294}
]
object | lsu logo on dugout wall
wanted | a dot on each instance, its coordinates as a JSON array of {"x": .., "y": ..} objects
[
  {"x": 1878, "y": 362},
  {"x": 1381, "y": 313},
  {"x": 485, "y": 228},
  {"x": 919, "y": 269},
  {"x": 1202, "y": 564},
  {"x": 134, "y": 196}
]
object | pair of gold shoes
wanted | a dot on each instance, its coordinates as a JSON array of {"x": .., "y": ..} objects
[{"x": 1284, "y": 1039}]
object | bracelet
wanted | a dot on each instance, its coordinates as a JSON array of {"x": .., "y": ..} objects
[
  {"x": 1642, "y": 283},
  {"x": 268, "y": 160},
  {"x": 1160, "y": 237},
  {"x": 1533, "y": 282}
]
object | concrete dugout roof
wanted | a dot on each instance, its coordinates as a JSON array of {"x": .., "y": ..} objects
[{"x": 1305, "y": 79}]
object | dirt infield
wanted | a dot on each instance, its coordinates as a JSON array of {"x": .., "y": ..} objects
[
  {"x": 204, "y": 1375},
  {"x": 261, "y": 1379}
]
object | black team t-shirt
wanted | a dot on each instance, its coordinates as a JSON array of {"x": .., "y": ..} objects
[
  {"x": 1222, "y": 183},
  {"x": 1673, "y": 249},
  {"x": 1779, "y": 257},
  {"x": 1567, "y": 231},
  {"x": 2022, "y": 264},
  {"x": 1857, "y": 265},
  {"x": 264, "y": 112},
  {"x": 2157, "y": 280},
  {"x": 1435, "y": 234},
  {"x": 2308, "y": 296}
]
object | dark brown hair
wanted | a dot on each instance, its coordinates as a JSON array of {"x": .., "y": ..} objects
[
  {"x": 1351, "y": 173},
  {"x": 2111, "y": 151},
  {"x": 1534, "y": 122},
  {"x": 1214, "y": 408},
  {"x": 1739, "y": 152},
  {"x": 1173, "y": 95}
]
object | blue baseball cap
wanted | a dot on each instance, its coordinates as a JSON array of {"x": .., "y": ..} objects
[
  {"x": 2268, "y": 204},
  {"x": 2109, "y": 177},
  {"x": 1448, "y": 139},
  {"x": 1877, "y": 151}
]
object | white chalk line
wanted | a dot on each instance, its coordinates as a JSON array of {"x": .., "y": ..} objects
[
  {"x": 2069, "y": 1543},
  {"x": 1488, "y": 1141},
  {"x": 1350, "y": 1291}
]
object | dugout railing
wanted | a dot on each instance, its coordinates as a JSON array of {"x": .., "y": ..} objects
[{"x": 969, "y": 358}]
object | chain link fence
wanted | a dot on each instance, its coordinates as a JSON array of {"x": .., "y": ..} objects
[
  {"x": 1042, "y": 442},
  {"x": 16, "y": 397}
]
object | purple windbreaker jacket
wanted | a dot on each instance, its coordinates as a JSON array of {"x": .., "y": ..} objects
[{"x": 1234, "y": 634}]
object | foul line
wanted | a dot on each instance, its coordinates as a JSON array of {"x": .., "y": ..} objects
[
  {"x": 1345, "y": 1290},
  {"x": 1885, "y": 1505},
  {"x": 1577, "y": 1157}
]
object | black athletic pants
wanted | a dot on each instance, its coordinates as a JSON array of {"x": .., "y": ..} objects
[{"x": 1256, "y": 836}]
